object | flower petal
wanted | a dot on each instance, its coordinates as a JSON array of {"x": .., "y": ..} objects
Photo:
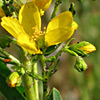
[
  {"x": 12, "y": 26},
  {"x": 57, "y": 36},
  {"x": 27, "y": 44},
  {"x": 74, "y": 26},
  {"x": 42, "y": 4},
  {"x": 60, "y": 29},
  {"x": 29, "y": 17}
]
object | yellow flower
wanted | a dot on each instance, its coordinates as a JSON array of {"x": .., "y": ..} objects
[
  {"x": 27, "y": 28},
  {"x": 42, "y": 4}
]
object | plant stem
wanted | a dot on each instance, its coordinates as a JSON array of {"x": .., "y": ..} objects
[
  {"x": 53, "y": 66},
  {"x": 57, "y": 3},
  {"x": 44, "y": 75},
  {"x": 28, "y": 80},
  {"x": 35, "y": 70},
  {"x": 9, "y": 56},
  {"x": 45, "y": 86}
]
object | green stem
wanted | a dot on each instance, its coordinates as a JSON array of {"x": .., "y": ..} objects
[
  {"x": 44, "y": 75},
  {"x": 35, "y": 70},
  {"x": 28, "y": 82},
  {"x": 9, "y": 56},
  {"x": 53, "y": 66},
  {"x": 57, "y": 3},
  {"x": 66, "y": 45},
  {"x": 45, "y": 86},
  {"x": 35, "y": 76}
]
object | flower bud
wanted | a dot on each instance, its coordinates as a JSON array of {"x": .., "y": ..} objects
[
  {"x": 51, "y": 59},
  {"x": 82, "y": 48},
  {"x": 88, "y": 48},
  {"x": 14, "y": 79},
  {"x": 80, "y": 64}
]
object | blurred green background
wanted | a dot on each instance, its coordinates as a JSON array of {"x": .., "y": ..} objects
[{"x": 72, "y": 84}]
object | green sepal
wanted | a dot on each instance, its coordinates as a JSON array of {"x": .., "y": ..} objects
[
  {"x": 80, "y": 64},
  {"x": 5, "y": 41},
  {"x": 76, "y": 48},
  {"x": 70, "y": 52},
  {"x": 54, "y": 95}
]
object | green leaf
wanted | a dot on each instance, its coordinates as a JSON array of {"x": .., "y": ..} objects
[
  {"x": 5, "y": 41},
  {"x": 51, "y": 49},
  {"x": 9, "y": 93},
  {"x": 54, "y": 95}
]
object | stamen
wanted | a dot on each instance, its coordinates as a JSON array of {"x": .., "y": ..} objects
[
  {"x": 36, "y": 34},
  {"x": 44, "y": 30}
]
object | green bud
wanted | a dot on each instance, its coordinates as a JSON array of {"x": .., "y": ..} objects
[
  {"x": 80, "y": 64},
  {"x": 82, "y": 48},
  {"x": 22, "y": 71},
  {"x": 51, "y": 59},
  {"x": 14, "y": 80}
]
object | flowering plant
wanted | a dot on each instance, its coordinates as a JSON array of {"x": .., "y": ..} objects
[{"x": 24, "y": 24}]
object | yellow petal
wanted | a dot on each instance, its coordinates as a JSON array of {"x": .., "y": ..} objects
[
  {"x": 12, "y": 25},
  {"x": 74, "y": 26},
  {"x": 27, "y": 44},
  {"x": 57, "y": 36},
  {"x": 29, "y": 17},
  {"x": 88, "y": 48},
  {"x": 60, "y": 29},
  {"x": 42, "y": 4}
]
